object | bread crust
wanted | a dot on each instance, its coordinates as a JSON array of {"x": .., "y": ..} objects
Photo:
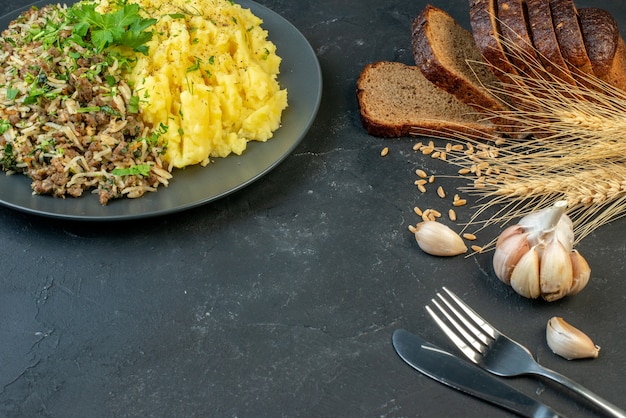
[
  {"x": 600, "y": 34},
  {"x": 569, "y": 37},
  {"x": 545, "y": 41},
  {"x": 440, "y": 64},
  {"x": 512, "y": 15},
  {"x": 487, "y": 35},
  {"x": 617, "y": 74},
  {"x": 486, "y": 31}
]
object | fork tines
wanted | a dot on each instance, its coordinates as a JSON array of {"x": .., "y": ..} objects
[{"x": 467, "y": 330}]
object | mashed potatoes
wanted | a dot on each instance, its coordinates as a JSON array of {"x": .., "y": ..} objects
[{"x": 210, "y": 77}]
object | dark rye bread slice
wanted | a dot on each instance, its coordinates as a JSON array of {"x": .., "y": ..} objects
[
  {"x": 486, "y": 32},
  {"x": 516, "y": 38},
  {"x": 570, "y": 38},
  {"x": 545, "y": 41},
  {"x": 488, "y": 38},
  {"x": 605, "y": 46},
  {"x": 396, "y": 100},
  {"x": 447, "y": 55}
]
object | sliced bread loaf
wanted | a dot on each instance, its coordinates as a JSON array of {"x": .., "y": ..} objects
[
  {"x": 605, "y": 46},
  {"x": 545, "y": 41},
  {"x": 486, "y": 31},
  {"x": 570, "y": 38},
  {"x": 447, "y": 55},
  {"x": 396, "y": 100},
  {"x": 514, "y": 26}
]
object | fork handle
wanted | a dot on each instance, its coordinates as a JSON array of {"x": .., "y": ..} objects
[{"x": 603, "y": 404}]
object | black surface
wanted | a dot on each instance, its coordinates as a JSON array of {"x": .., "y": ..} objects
[{"x": 280, "y": 300}]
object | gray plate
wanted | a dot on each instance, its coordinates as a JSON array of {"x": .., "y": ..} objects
[{"x": 196, "y": 185}]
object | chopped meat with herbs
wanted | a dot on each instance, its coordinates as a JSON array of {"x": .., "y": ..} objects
[{"x": 68, "y": 120}]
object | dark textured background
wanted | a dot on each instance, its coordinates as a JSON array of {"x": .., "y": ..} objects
[{"x": 280, "y": 299}]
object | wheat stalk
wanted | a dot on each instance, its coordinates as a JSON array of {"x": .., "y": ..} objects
[{"x": 573, "y": 147}]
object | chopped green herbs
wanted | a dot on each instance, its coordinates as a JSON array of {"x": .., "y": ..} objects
[
  {"x": 5, "y": 125},
  {"x": 195, "y": 66},
  {"x": 12, "y": 93},
  {"x": 8, "y": 160},
  {"x": 111, "y": 81},
  {"x": 133, "y": 104},
  {"x": 153, "y": 139},
  {"x": 136, "y": 170}
]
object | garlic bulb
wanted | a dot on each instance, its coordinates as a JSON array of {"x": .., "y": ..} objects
[
  {"x": 568, "y": 341},
  {"x": 536, "y": 256},
  {"x": 438, "y": 239}
]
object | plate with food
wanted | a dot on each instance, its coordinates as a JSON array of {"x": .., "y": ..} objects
[{"x": 180, "y": 109}]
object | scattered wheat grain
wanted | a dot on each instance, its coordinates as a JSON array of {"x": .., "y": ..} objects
[{"x": 459, "y": 202}]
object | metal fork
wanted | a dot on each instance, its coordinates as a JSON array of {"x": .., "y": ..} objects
[{"x": 497, "y": 353}]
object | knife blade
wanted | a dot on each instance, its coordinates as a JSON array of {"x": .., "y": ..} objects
[{"x": 459, "y": 374}]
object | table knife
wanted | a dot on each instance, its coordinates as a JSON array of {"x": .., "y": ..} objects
[{"x": 459, "y": 374}]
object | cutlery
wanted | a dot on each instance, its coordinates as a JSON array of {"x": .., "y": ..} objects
[
  {"x": 497, "y": 353},
  {"x": 460, "y": 374}
]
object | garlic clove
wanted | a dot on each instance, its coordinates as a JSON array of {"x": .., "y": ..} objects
[
  {"x": 509, "y": 232},
  {"x": 555, "y": 274},
  {"x": 436, "y": 238},
  {"x": 568, "y": 341},
  {"x": 564, "y": 232},
  {"x": 580, "y": 272},
  {"x": 511, "y": 246},
  {"x": 525, "y": 275}
]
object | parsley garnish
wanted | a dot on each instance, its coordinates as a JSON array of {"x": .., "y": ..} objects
[
  {"x": 124, "y": 27},
  {"x": 12, "y": 93},
  {"x": 153, "y": 139},
  {"x": 195, "y": 66},
  {"x": 135, "y": 170},
  {"x": 4, "y": 126},
  {"x": 133, "y": 104},
  {"x": 7, "y": 159}
]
